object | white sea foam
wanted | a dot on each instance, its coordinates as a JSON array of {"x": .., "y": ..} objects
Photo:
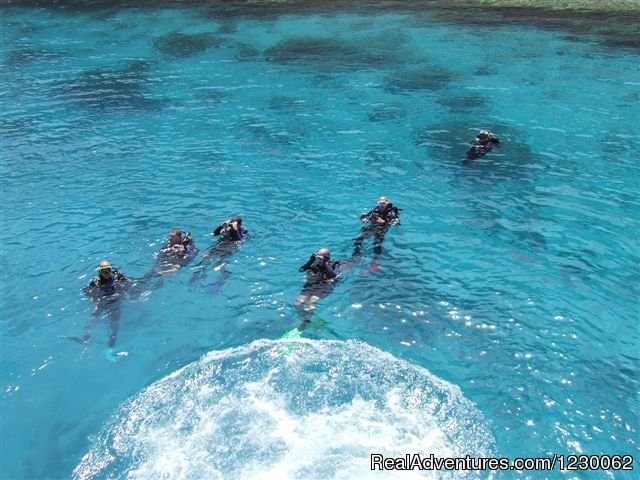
[{"x": 298, "y": 409}]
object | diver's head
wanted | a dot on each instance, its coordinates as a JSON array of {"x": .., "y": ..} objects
[
  {"x": 323, "y": 254},
  {"x": 237, "y": 219},
  {"x": 105, "y": 270},
  {"x": 383, "y": 202},
  {"x": 175, "y": 236},
  {"x": 484, "y": 134}
]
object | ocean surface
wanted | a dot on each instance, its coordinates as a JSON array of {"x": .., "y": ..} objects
[{"x": 504, "y": 316}]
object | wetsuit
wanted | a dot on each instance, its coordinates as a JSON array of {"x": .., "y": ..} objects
[
  {"x": 322, "y": 275},
  {"x": 108, "y": 294},
  {"x": 482, "y": 145},
  {"x": 229, "y": 240},
  {"x": 228, "y": 234},
  {"x": 190, "y": 250},
  {"x": 389, "y": 214},
  {"x": 227, "y": 245},
  {"x": 168, "y": 261},
  {"x": 100, "y": 287}
]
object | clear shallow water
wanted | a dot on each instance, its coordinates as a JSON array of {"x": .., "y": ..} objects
[{"x": 514, "y": 278}]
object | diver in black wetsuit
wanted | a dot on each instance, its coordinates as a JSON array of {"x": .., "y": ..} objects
[
  {"x": 231, "y": 233},
  {"x": 482, "y": 144},
  {"x": 322, "y": 275},
  {"x": 106, "y": 290},
  {"x": 377, "y": 223},
  {"x": 176, "y": 253},
  {"x": 231, "y": 230}
]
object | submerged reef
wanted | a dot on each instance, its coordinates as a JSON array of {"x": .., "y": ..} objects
[
  {"x": 180, "y": 45},
  {"x": 615, "y": 24}
]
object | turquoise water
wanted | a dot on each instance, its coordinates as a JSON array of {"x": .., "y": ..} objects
[{"x": 504, "y": 317}]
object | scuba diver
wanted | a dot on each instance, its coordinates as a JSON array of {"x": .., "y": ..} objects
[
  {"x": 231, "y": 234},
  {"x": 322, "y": 276},
  {"x": 231, "y": 230},
  {"x": 107, "y": 290},
  {"x": 377, "y": 223},
  {"x": 482, "y": 144},
  {"x": 176, "y": 253},
  {"x": 179, "y": 250}
]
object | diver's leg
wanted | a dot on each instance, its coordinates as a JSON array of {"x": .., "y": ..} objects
[
  {"x": 311, "y": 306},
  {"x": 200, "y": 270},
  {"x": 114, "y": 317},
  {"x": 357, "y": 243},
  {"x": 300, "y": 301},
  {"x": 307, "y": 312},
  {"x": 224, "y": 275},
  {"x": 200, "y": 273},
  {"x": 145, "y": 283},
  {"x": 218, "y": 254},
  {"x": 304, "y": 300},
  {"x": 88, "y": 329},
  {"x": 225, "y": 251},
  {"x": 377, "y": 242},
  {"x": 215, "y": 287}
]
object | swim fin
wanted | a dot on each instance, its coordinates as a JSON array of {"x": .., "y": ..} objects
[
  {"x": 80, "y": 340},
  {"x": 110, "y": 355},
  {"x": 292, "y": 334},
  {"x": 346, "y": 266}
]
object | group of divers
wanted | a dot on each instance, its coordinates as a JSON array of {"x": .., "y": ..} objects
[{"x": 109, "y": 286}]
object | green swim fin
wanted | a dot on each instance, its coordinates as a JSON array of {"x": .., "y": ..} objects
[{"x": 293, "y": 333}]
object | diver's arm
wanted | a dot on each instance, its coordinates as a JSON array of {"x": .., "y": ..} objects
[
  {"x": 167, "y": 248},
  {"x": 394, "y": 216},
  {"x": 119, "y": 276},
  {"x": 307, "y": 265},
  {"x": 122, "y": 281},
  {"x": 366, "y": 217},
  {"x": 236, "y": 233},
  {"x": 219, "y": 228},
  {"x": 91, "y": 289}
]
